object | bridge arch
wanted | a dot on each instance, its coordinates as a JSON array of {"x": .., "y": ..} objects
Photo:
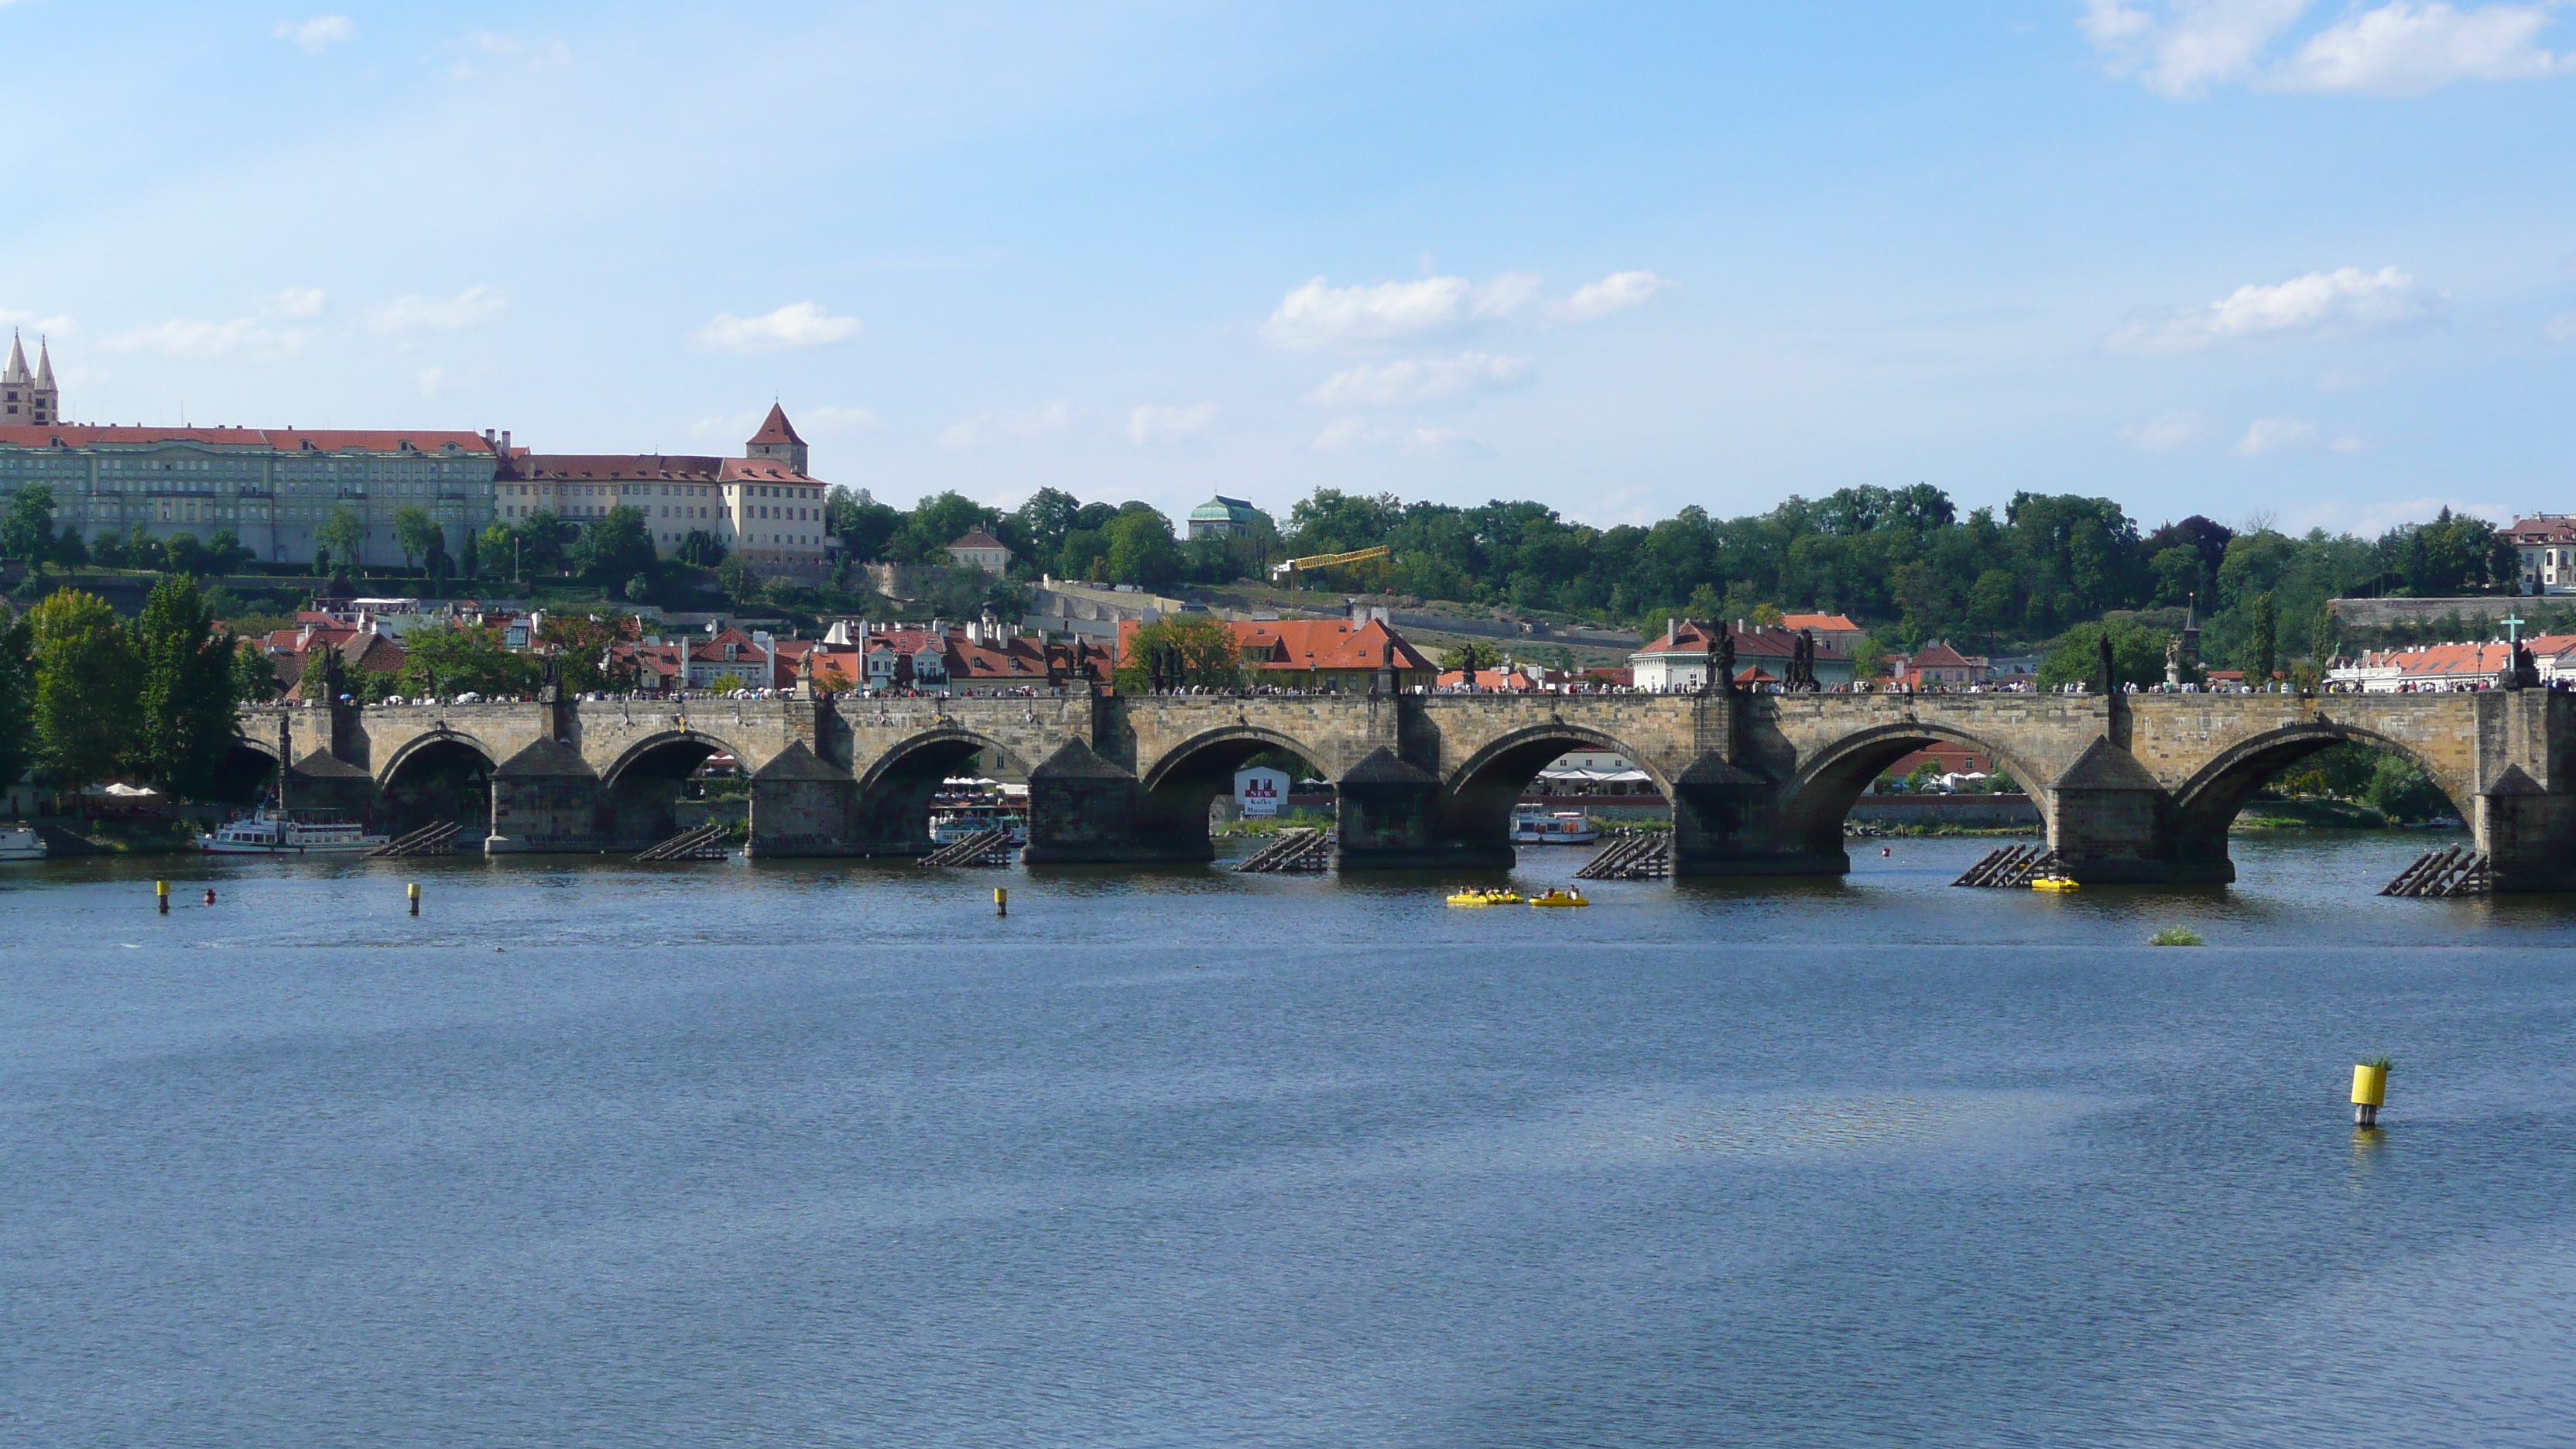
[
  {"x": 895, "y": 792},
  {"x": 247, "y": 770},
  {"x": 1476, "y": 800},
  {"x": 1178, "y": 788},
  {"x": 639, "y": 792},
  {"x": 2207, "y": 804},
  {"x": 440, "y": 775},
  {"x": 1831, "y": 780}
]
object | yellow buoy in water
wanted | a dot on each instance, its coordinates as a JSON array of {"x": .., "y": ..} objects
[{"x": 2369, "y": 1091}]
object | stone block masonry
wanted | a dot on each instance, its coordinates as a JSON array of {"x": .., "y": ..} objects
[{"x": 2136, "y": 788}]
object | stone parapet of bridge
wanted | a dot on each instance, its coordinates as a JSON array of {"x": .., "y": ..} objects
[{"x": 2132, "y": 788}]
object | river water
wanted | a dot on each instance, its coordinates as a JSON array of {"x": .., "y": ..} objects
[{"x": 594, "y": 1154}]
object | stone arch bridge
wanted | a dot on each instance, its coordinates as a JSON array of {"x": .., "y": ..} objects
[{"x": 2134, "y": 788}]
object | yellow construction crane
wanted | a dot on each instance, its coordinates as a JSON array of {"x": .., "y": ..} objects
[{"x": 1296, "y": 566}]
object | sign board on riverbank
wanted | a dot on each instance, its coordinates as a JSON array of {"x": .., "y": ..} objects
[{"x": 1260, "y": 791}]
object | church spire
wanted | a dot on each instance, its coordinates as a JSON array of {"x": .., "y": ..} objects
[
  {"x": 16, "y": 372},
  {"x": 44, "y": 362}
]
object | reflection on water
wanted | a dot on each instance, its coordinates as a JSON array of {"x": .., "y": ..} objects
[{"x": 825, "y": 1151}]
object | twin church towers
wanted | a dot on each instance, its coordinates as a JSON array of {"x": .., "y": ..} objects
[{"x": 29, "y": 399}]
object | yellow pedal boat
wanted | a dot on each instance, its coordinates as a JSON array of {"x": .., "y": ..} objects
[
  {"x": 1485, "y": 898},
  {"x": 1559, "y": 900},
  {"x": 2054, "y": 883}
]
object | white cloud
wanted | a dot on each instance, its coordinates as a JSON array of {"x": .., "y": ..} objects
[
  {"x": 2561, "y": 328},
  {"x": 2180, "y": 48},
  {"x": 299, "y": 302},
  {"x": 830, "y": 419},
  {"x": 2170, "y": 431},
  {"x": 1151, "y": 423},
  {"x": 317, "y": 34},
  {"x": 798, "y": 324},
  {"x": 1421, "y": 380},
  {"x": 182, "y": 337},
  {"x": 477, "y": 303},
  {"x": 2403, "y": 47},
  {"x": 1055, "y": 417},
  {"x": 2345, "y": 300},
  {"x": 1355, "y": 435},
  {"x": 1614, "y": 293},
  {"x": 2347, "y": 445},
  {"x": 2276, "y": 435},
  {"x": 56, "y": 325},
  {"x": 508, "y": 53},
  {"x": 1320, "y": 315},
  {"x": 727, "y": 425}
]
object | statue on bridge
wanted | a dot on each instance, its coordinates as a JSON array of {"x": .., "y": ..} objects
[
  {"x": 2106, "y": 667},
  {"x": 1725, "y": 659}
]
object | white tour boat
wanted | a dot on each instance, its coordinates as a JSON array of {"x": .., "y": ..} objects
[
  {"x": 21, "y": 842},
  {"x": 1532, "y": 826},
  {"x": 299, "y": 832}
]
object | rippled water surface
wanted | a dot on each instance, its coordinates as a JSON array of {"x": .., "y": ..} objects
[{"x": 724, "y": 1154}]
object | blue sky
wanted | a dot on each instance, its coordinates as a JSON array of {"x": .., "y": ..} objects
[{"x": 2296, "y": 258}]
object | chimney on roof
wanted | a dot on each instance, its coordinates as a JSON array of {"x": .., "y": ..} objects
[{"x": 505, "y": 442}]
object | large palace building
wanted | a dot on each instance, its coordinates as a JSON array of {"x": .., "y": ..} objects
[
  {"x": 761, "y": 506},
  {"x": 273, "y": 488}
]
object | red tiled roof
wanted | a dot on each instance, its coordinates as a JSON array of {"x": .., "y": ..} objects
[
  {"x": 652, "y": 467},
  {"x": 1821, "y": 623},
  {"x": 978, "y": 538},
  {"x": 776, "y": 429},
  {"x": 1302, "y": 644},
  {"x": 1939, "y": 655},
  {"x": 2548, "y": 528},
  {"x": 278, "y": 440}
]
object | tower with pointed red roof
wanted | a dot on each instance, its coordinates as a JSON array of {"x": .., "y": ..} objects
[{"x": 777, "y": 439}]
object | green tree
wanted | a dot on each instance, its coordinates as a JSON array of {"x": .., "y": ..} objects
[
  {"x": 341, "y": 539},
  {"x": 544, "y": 543},
  {"x": 1141, "y": 548},
  {"x": 87, "y": 688},
  {"x": 2400, "y": 791},
  {"x": 1467, "y": 658},
  {"x": 416, "y": 533},
  {"x": 225, "y": 554},
  {"x": 458, "y": 658},
  {"x": 187, "y": 699},
  {"x": 143, "y": 550},
  {"x": 181, "y": 553},
  {"x": 1037, "y": 528},
  {"x": 616, "y": 547},
  {"x": 737, "y": 580},
  {"x": 17, "y": 697},
  {"x": 2137, "y": 655},
  {"x": 70, "y": 550},
  {"x": 254, "y": 677},
  {"x": 27, "y": 527},
  {"x": 2261, "y": 647},
  {"x": 699, "y": 550},
  {"x": 865, "y": 527},
  {"x": 1192, "y": 653},
  {"x": 582, "y": 645},
  {"x": 1869, "y": 661},
  {"x": 938, "y": 522}
]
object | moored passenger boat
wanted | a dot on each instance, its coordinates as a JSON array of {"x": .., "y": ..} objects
[{"x": 285, "y": 832}]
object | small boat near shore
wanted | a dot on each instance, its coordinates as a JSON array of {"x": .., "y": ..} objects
[
  {"x": 21, "y": 842},
  {"x": 1532, "y": 826},
  {"x": 1559, "y": 901},
  {"x": 296, "y": 832},
  {"x": 1486, "y": 898}
]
